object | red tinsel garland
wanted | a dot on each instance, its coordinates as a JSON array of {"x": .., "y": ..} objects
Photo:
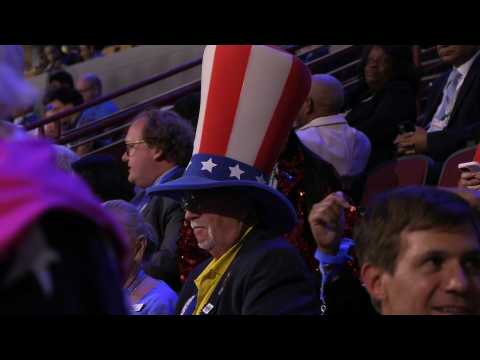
[
  {"x": 290, "y": 182},
  {"x": 189, "y": 255}
]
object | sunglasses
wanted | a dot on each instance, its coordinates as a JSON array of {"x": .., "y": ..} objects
[
  {"x": 198, "y": 201},
  {"x": 129, "y": 146},
  {"x": 190, "y": 202}
]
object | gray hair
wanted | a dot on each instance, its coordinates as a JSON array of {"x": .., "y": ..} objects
[
  {"x": 64, "y": 157},
  {"x": 134, "y": 224}
]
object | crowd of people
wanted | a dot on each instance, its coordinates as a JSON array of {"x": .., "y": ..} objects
[
  {"x": 57, "y": 57},
  {"x": 244, "y": 199}
]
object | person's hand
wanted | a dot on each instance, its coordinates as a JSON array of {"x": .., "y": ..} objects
[
  {"x": 412, "y": 142},
  {"x": 404, "y": 146},
  {"x": 327, "y": 221},
  {"x": 469, "y": 180}
]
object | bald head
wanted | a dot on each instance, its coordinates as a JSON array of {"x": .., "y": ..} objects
[
  {"x": 326, "y": 98},
  {"x": 90, "y": 86},
  {"x": 327, "y": 93}
]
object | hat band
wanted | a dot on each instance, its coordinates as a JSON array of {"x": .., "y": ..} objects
[{"x": 222, "y": 168}]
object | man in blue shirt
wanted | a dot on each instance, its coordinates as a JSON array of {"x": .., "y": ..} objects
[{"x": 90, "y": 87}]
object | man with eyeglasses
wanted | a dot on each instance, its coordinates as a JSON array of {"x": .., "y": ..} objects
[
  {"x": 90, "y": 87},
  {"x": 158, "y": 147}
]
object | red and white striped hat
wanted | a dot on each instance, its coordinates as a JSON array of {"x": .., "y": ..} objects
[{"x": 251, "y": 94}]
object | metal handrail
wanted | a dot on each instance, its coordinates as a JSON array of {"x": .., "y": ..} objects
[
  {"x": 126, "y": 114},
  {"x": 166, "y": 99},
  {"x": 128, "y": 89},
  {"x": 119, "y": 117},
  {"x": 116, "y": 94}
]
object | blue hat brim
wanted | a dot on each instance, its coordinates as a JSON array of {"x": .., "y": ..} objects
[{"x": 275, "y": 211}]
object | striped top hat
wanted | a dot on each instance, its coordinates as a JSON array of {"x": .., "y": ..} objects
[{"x": 251, "y": 94}]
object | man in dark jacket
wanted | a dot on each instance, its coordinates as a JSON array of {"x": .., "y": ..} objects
[
  {"x": 453, "y": 112},
  {"x": 158, "y": 146},
  {"x": 234, "y": 214}
]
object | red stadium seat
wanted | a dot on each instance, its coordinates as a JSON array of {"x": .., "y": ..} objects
[
  {"x": 450, "y": 174},
  {"x": 404, "y": 171}
]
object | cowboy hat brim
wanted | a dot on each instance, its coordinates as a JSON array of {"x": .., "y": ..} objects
[{"x": 275, "y": 211}]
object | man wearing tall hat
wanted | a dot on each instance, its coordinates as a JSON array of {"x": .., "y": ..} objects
[{"x": 250, "y": 97}]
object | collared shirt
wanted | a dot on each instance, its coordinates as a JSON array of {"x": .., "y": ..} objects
[
  {"x": 143, "y": 196},
  {"x": 332, "y": 139},
  {"x": 96, "y": 113},
  {"x": 440, "y": 124},
  {"x": 208, "y": 280}
]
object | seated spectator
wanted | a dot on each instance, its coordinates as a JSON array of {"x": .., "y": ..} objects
[
  {"x": 71, "y": 55},
  {"x": 158, "y": 147},
  {"x": 90, "y": 87},
  {"x": 385, "y": 98},
  {"x": 56, "y": 101},
  {"x": 452, "y": 114},
  {"x": 148, "y": 296},
  {"x": 304, "y": 178},
  {"x": 105, "y": 176},
  {"x": 59, "y": 251},
  {"x": 58, "y": 79},
  {"x": 54, "y": 58},
  {"x": 324, "y": 131},
  {"x": 88, "y": 52},
  {"x": 234, "y": 214},
  {"x": 419, "y": 252},
  {"x": 64, "y": 157},
  {"x": 55, "y": 80}
]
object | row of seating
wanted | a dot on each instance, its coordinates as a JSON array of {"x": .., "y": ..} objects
[{"x": 413, "y": 170}]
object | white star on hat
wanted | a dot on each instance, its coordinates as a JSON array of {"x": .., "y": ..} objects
[
  {"x": 260, "y": 179},
  {"x": 34, "y": 255},
  {"x": 208, "y": 165},
  {"x": 236, "y": 172}
]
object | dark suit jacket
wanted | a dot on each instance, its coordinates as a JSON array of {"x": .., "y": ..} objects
[
  {"x": 379, "y": 118},
  {"x": 464, "y": 123},
  {"x": 166, "y": 216},
  {"x": 346, "y": 296},
  {"x": 267, "y": 277}
]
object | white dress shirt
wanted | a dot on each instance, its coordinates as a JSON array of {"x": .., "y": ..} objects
[
  {"x": 439, "y": 124},
  {"x": 332, "y": 139}
]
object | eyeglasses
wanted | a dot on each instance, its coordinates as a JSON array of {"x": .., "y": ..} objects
[{"x": 129, "y": 146}]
